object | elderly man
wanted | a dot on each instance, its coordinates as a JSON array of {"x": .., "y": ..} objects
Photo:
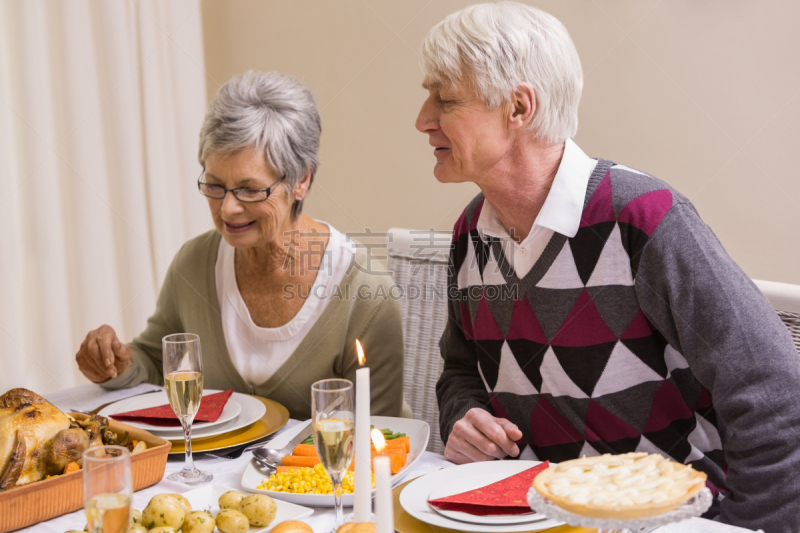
[{"x": 594, "y": 311}]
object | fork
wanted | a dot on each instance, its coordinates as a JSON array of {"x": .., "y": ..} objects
[{"x": 236, "y": 453}]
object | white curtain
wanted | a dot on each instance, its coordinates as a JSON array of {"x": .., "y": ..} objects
[{"x": 100, "y": 108}]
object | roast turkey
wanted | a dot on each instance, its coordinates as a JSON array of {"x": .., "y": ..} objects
[{"x": 37, "y": 439}]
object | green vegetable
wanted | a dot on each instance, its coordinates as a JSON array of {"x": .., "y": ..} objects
[{"x": 388, "y": 434}]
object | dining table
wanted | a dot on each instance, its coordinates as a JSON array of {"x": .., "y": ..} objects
[{"x": 228, "y": 472}]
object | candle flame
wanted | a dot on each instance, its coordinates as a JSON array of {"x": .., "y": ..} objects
[
  {"x": 360, "y": 350},
  {"x": 378, "y": 440}
]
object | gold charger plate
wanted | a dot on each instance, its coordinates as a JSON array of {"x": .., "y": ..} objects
[
  {"x": 405, "y": 523},
  {"x": 273, "y": 420}
]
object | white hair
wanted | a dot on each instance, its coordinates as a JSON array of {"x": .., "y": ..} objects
[
  {"x": 272, "y": 112},
  {"x": 494, "y": 47}
]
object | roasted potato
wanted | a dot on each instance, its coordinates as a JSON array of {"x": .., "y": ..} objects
[
  {"x": 139, "y": 448},
  {"x": 230, "y": 500},
  {"x": 164, "y": 529},
  {"x": 136, "y": 516},
  {"x": 232, "y": 521},
  {"x": 184, "y": 502},
  {"x": 137, "y": 528},
  {"x": 259, "y": 509},
  {"x": 198, "y": 522},
  {"x": 164, "y": 510}
]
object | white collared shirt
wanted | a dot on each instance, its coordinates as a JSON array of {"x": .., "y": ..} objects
[{"x": 561, "y": 211}]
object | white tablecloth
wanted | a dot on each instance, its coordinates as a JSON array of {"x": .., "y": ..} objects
[{"x": 228, "y": 472}]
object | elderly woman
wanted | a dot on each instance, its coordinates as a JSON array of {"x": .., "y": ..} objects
[
  {"x": 271, "y": 291},
  {"x": 592, "y": 310}
]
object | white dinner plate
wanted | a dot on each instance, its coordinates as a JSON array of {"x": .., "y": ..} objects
[
  {"x": 251, "y": 411},
  {"x": 417, "y": 430},
  {"x": 207, "y": 496},
  {"x": 503, "y": 470},
  {"x": 416, "y": 494},
  {"x": 154, "y": 399}
]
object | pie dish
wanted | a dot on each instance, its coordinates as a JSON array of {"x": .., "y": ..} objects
[{"x": 627, "y": 486}]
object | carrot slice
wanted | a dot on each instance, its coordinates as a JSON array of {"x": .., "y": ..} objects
[
  {"x": 306, "y": 450},
  {"x": 399, "y": 452},
  {"x": 282, "y": 468},
  {"x": 405, "y": 440},
  {"x": 396, "y": 462},
  {"x": 394, "y": 444},
  {"x": 299, "y": 460}
]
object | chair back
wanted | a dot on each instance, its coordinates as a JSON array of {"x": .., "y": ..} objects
[
  {"x": 785, "y": 299},
  {"x": 418, "y": 261}
]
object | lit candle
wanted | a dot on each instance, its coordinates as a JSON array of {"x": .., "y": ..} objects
[
  {"x": 362, "y": 492},
  {"x": 384, "y": 512}
]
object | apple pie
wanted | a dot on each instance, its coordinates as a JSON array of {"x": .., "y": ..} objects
[{"x": 631, "y": 485}]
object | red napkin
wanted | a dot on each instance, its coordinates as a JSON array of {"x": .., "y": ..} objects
[
  {"x": 507, "y": 496},
  {"x": 211, "y": 407}
]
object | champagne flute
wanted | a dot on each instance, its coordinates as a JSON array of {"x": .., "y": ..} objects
[
  {"x": 333, "y": 424},
  {"x": 183, "y": 378},
  {"x": 107, "y": 488}
]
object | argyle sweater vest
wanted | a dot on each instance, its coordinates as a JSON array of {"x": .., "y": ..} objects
[{"x": 566, "y": 352}]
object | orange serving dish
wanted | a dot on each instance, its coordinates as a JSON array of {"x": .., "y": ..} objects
[{"x": 46, "y": 499}]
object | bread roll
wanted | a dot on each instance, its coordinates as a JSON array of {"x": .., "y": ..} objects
[
  {"x": 357, "y": 527},
  {"x": 292, "y": 526}
]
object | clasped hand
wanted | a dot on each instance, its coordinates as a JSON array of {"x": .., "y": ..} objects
[{"x": 480, "y": 436}]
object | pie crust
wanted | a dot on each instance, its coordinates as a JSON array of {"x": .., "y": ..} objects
[{"x": 627, "y": 486}]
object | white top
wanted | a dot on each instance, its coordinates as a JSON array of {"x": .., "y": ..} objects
[
  {"x": 256, "y": 352},
  {"x": 560, "y": 212}
]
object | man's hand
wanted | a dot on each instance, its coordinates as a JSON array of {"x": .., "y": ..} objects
[
  {"x": 102, "y": 356},
  {"x": 481, "y": 437}
]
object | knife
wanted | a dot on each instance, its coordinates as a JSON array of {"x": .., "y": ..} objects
[{"x": 303, "y": 434}]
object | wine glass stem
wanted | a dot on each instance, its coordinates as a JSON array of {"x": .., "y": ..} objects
[
  {"x": 337, "y": 495},
  {"x": 188, "y": 464}
]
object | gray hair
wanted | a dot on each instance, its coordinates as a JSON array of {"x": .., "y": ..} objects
[
  {"x": 494, "y": 47},
  {"x": 272, "y": 112}
]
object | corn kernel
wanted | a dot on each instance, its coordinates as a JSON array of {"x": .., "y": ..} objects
[{"x": 307, "y": 481}]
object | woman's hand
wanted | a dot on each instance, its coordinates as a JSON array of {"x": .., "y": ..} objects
[
  {"x": 102, "y": 356},
  {"x": 481, "y": 437}
]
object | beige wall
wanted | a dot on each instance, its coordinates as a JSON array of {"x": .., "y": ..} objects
[{"x": 701, "y": 94}]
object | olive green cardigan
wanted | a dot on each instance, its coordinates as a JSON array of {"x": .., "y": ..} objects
[{"x": 188, "y": 304}]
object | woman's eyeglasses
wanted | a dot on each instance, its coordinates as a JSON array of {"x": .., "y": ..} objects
[{"x": 243, "y": 194}]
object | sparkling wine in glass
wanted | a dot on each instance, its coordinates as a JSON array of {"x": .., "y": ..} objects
[
  {"x": 333, "y": 424},
  {"x": 107, "y": 489},
  {"x": 183, "y": 379}
]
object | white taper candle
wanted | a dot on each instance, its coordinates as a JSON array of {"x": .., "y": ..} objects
[
  {"x": 384, "y": 512},
  {"x": 362, "y": 506}
]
